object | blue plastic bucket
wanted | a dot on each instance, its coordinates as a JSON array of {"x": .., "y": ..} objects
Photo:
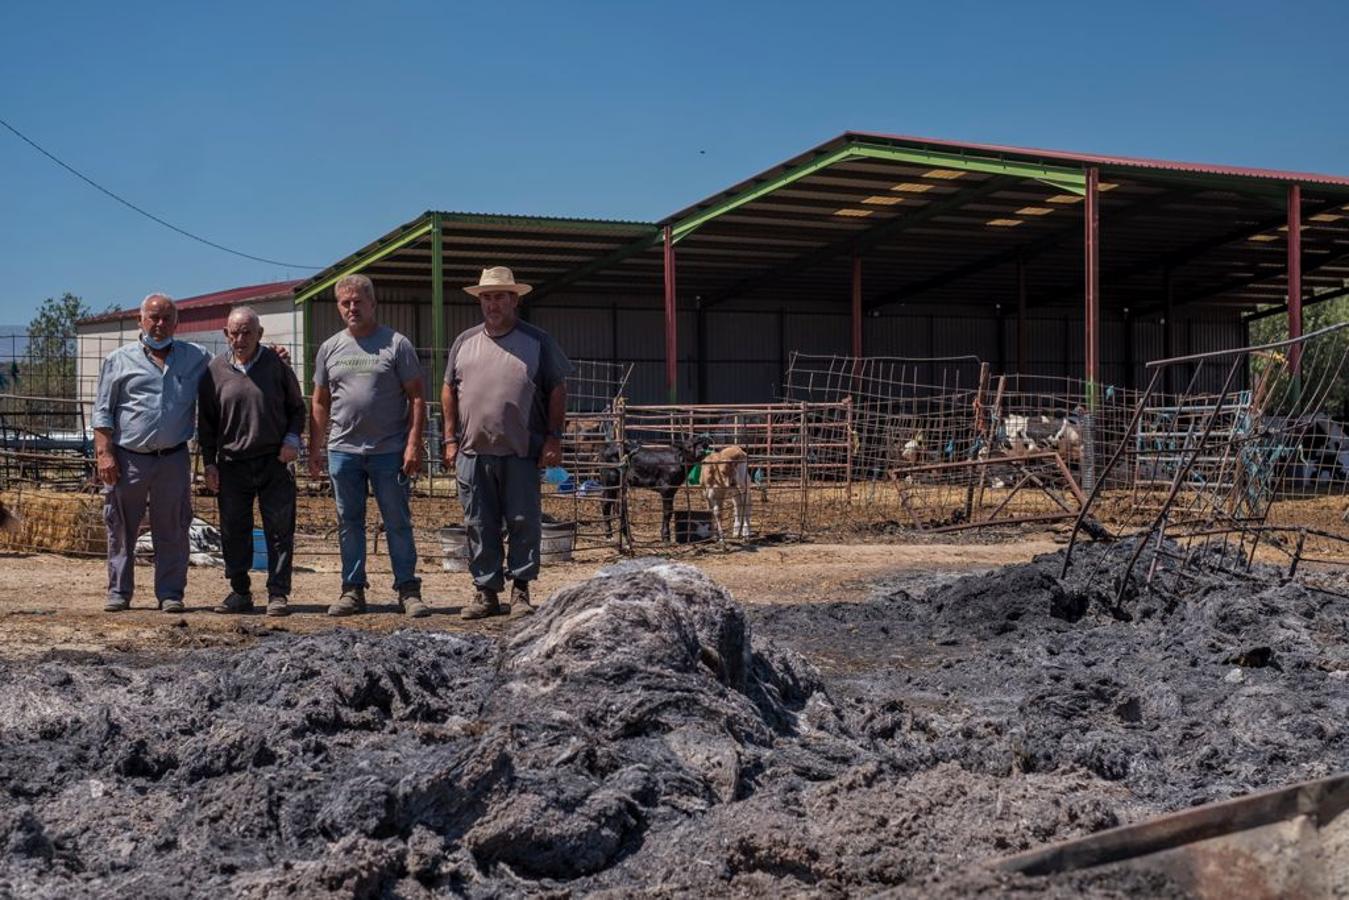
[{"x": 259, "y": 550}]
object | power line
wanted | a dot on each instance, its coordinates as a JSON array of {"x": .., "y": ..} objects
[{"x": 149, "y": 215}]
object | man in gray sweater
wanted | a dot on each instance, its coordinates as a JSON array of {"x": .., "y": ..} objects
[{"x": 250, "y": 414}]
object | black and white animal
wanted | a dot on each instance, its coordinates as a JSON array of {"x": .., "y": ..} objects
[
  {"x": 725, "y": 473},
  {"x": 662, "y": 468}
]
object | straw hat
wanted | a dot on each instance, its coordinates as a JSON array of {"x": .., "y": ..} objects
[{"x": 498, "y": 278}]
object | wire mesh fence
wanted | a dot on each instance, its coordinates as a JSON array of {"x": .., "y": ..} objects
[
  {"x": 1249, "y": 478},
  {"x": 855, "y": 444}
]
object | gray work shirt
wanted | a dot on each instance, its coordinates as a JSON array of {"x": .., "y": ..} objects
[
  {"x": 366, "y": 376},
  {"x": 149, "y": 408},
  {"x": 502, "y": 386}
]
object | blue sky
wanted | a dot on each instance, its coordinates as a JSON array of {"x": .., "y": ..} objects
[{"x": 301, "y": 131}]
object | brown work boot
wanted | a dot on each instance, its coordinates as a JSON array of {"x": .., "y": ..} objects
[
  {"x": 277, "y": 605},
  {"x": 484, "y": 604},
  {"x": 351, "y": 602},
  {"x": 520, "y": 605},
  {"x": 410, "y": 601}
]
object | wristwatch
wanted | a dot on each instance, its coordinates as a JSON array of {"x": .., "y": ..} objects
[{"x": 555, "y": 434}]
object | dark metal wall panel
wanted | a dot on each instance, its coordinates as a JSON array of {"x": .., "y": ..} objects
[
  {"x": 823, "y": 333},
  {"x": 964, "y": 337},
  {"x": 907, "y": 336},
  {"x": 742, "y": 382},
  {"x": 581, "y": 333},
  {"x": 647, "y": 384},
  {"x": 742, "y": 336}
]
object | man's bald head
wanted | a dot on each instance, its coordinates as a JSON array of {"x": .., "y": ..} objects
[
  {"x": 243, "y": 330},
  {"x": 159, "y": 317},
  {"x": 245, "y": 315}
]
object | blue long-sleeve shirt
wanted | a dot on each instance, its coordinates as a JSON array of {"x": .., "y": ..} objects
[{"x": 146, "y": 407}]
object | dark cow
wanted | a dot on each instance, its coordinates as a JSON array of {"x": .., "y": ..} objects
[{"x": 662, "y": 468}]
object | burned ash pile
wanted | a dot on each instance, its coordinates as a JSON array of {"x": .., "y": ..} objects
[
  {"x": 348, "y": 764},
  {"x": 632, "y": 736},
  {"x": 1234, "y": 685}
]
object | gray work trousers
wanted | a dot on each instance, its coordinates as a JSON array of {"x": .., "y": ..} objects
[
  {"x": 165, "y": 483},
  {"x": 493, "y": 490}
]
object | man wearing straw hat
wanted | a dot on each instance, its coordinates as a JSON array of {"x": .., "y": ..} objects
[{"x": 505, "y": 405}]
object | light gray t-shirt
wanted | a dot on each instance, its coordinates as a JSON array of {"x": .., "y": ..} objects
[
  {"x": 366, "y": 377},
  {"x": 502, "y": 385}
]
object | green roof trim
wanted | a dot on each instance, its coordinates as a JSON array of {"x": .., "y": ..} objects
[
  {"x": 1064, "y": 178},
  {"x": 425, "y": 224}
]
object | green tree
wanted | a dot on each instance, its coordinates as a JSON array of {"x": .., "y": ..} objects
[
  {"x": 1325, "y": 361},
  {"x": 50, "y": 369}
]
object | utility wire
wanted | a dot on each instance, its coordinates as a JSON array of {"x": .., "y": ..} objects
[{"x": 149, "y": 215}]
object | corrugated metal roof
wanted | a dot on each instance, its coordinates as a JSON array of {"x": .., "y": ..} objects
[
  {"x": 254, "y": 293},
  {"x": 1095, "y": 159}
]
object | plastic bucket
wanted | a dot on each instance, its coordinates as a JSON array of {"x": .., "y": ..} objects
[
  {"x": 454, "y": 548},
  {"x": 556, "y": 542},
  {"x": 692, "y": 526},
  {"x": 259, "y": 550}
]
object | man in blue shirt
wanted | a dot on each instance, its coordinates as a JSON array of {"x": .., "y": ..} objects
[{"x": 144, "y": 414}]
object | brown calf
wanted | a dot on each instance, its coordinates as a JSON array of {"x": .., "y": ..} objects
[{"x": 726, "y": 472}]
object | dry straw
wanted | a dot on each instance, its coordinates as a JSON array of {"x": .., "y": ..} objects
[{"x": 53, "y": 521}]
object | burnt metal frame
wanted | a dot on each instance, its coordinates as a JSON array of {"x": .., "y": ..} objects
[{"x": 1154, "y": 532}]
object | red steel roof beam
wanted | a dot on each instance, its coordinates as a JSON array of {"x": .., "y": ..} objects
[
  {"x": 1295, "y": 276},
  {"x": 671, "y": 323}
]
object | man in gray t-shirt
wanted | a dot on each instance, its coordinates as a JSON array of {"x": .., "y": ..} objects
[
  {"x": 505, "y": 403},
  {"x": 368, "y": 415}
]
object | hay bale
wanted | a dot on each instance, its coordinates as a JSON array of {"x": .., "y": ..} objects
[{"x": 55, "y": 521}]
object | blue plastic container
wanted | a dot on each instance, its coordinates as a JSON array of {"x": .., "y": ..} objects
[{"x": 259, "y": 550}]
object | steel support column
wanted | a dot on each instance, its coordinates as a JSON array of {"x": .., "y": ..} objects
[
  {"x": 1295, "y": 277},
  {"x": 1092, "y": 287},
  {"x": 856, "y": 307},
  {"x": 1092, "y": 323},
  {"x": 1021, "y": 315},
  {"x": 704, "y": 390},
  {"x": 1169, "y": 329},
  {"x": 671, "y": 323},
  {"x": 438, "y": 347}
]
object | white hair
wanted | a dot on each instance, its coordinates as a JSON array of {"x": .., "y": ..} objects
[
  {"x": 359, "y": 283},
  {"x": 246, "y": 312}
]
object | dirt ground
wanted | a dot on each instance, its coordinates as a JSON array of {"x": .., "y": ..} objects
[{"x": 54, "y": 603}]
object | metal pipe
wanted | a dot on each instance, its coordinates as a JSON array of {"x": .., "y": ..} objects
[
  {"x": 1020, "y": 314},
  {"x": 438, "y": 348},
  {"x": 671, "y": 322},
  {"x": 1092, "y": 289},
  {"x": 856, "y": 311},
  {"x": 1295, "y": 277}
]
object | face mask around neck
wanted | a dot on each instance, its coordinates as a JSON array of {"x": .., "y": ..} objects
[{"x": 162, "y": 344}]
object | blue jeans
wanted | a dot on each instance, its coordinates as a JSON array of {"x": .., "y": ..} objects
[{"x": 351, "y": 473}]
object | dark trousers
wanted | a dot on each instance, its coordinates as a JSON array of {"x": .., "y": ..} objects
[
  {"x": 493, "y": 490},
  {"x": 269, "y": 481}
]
